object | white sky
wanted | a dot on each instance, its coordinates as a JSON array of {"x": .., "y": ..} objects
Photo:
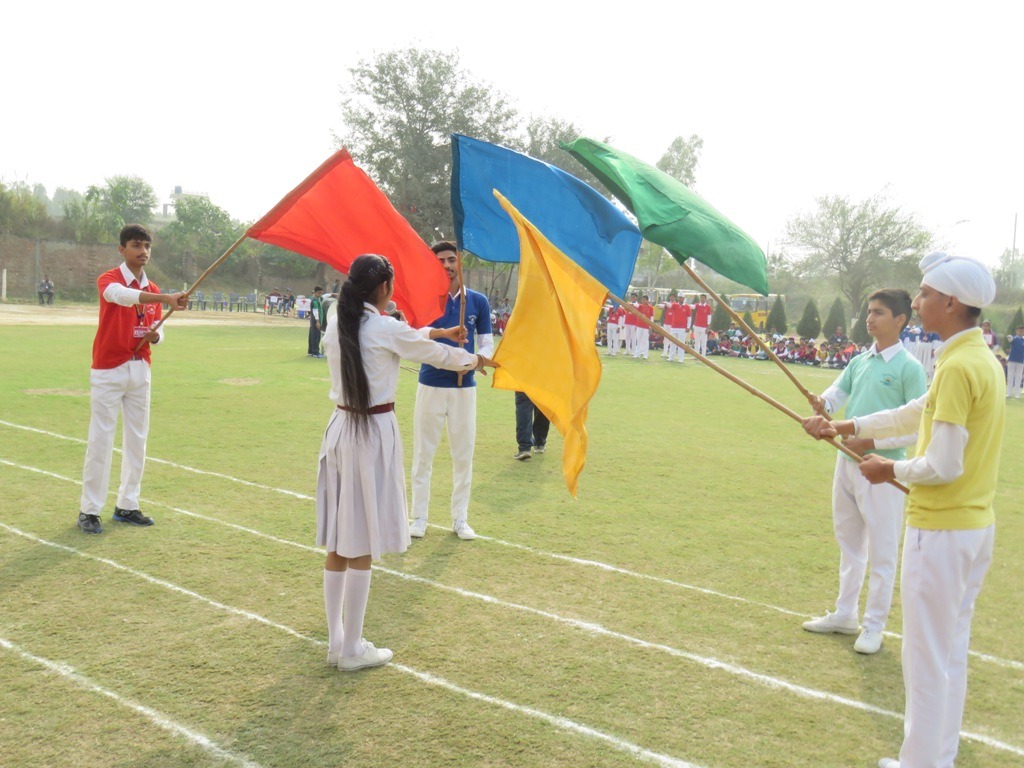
[{"x": 794, "y": 100}]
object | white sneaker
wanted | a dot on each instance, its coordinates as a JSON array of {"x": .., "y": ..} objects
[
  {"x": 870, "y": 641},
  {"x": 333, "y": 658},
  {"x": 463, "y": 531},
  {"x": 418, "y": 527},
  {"x": 888, "y": 762},
  {"x": 370, "y": 657},
  {"x": 829, "y": 624}
]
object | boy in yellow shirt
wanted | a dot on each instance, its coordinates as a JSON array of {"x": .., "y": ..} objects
[{"x": 950, "y": 520}]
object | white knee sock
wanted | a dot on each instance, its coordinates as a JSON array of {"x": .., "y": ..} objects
[
  {"x": 334, "y": 592},
  {"x": 357, "y": 593}
]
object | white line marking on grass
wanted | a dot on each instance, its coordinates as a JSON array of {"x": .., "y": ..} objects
[
  {"x": 182, "y": 467},
  {"x": 157, "y": 718},
  {"x": 998, "y": 662},
  {"x": 589, "y": 627},
  {"x": 160, "y": 583},
  {"x": 559, "y": 722}
]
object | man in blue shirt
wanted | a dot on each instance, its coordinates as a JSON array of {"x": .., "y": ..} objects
[{"x": 442, "y": 400}]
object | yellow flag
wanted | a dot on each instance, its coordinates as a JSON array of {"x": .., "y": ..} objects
[{"x": 548, "y": 348}]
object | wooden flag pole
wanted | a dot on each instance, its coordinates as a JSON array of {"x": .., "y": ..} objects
[
  {"x": 462, "y": 307},
  {"x": 197, "y": 283},
  {"x": 750, "y": 332},
  {"x": 736, "y": 380}
]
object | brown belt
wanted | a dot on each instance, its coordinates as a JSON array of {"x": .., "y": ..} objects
[{"x": 384, "y": 408}]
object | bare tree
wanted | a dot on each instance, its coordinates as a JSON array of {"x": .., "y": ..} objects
[{"x": 860, "y": 245}]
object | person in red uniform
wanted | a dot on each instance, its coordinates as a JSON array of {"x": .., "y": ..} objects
[
  {"x": 680, "y": 327},
  {"x": 701, "y": 321},
  {"x": 616, "y": 329},
  {"x": 667, "y": 319},
  {"x": 631, "y": 325},
  {"x": 642, "y": 340},
  {"x": 130, "y": 305}
]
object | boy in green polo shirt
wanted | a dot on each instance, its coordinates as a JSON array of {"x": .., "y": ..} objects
[
  {"x": 868, "y": 518},
  {"x": 950, "y": 520}
]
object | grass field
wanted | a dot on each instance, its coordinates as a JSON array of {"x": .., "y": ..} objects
[{"x": 655, "y": 620}]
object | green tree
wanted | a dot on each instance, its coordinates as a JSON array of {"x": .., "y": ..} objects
[
  {"x": 22, "y": 214},
  {"x": 859, "y": 245},
  {"x": 61, "y": 198},
  {"x": 651, "y": 263},
  {"x": 1009, "y": 275},
  {"x": 544, "y": 135},
  {"x": 860, "y": 334},
  {"x": 200, "y": 233},
  {"x": 681, "y": 158},
  {"x": 836, "y": 318},
  {"x": 125, "y": 200},
  {"x": 720, "y": 319},
  {"x": 809, "y": 326},
  {"x": 399, "y": 109},
  {"x": 88, "y": 220},
  {"x": 777, "y": 317}
]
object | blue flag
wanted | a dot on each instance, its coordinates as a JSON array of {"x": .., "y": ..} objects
[{"x": 576, "y": 218}]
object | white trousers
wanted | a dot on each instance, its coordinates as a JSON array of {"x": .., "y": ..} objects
[
  {"x": 867, "y": 520},
  {"x": 700, "y": 340},
  {"x": 613, "y": 338},
  {"x": 124, "y": 389},
  {"x": 1014, "y": 373},
  {"x": 642, "y": 342},
  {"x": 435, "y": 407},
  {"x": 629, "y": 339},
  {"x": 675, "y": 352},
  {"x": 942, "y": 575}
]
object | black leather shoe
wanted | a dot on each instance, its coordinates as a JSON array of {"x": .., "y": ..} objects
[
  {"x": 133, "y": 516},
  {"x": 89, "y": 523}
]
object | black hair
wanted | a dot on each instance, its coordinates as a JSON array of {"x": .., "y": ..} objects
[
  {"x": 131, "y": 232},
  {"x": 896, "y": 300},
  {"x": 364, "y": 277},
  {"x": 444, "y": 245}
]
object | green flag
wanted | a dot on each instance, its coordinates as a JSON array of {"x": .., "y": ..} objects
[{"x": 672, "y": 216}]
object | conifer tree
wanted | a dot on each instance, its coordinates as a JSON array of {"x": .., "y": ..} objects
[
  {"x": 810, "y": 324},
  {"x": 776, "y": 321}
]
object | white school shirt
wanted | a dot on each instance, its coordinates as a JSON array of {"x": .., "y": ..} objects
[{"x": 384, "y": 342}]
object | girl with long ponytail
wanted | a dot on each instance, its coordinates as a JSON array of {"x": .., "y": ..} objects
[{"x": 360, "y": 502}]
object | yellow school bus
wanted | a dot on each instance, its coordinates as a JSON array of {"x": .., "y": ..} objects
[{"x": 757, "y": 305}]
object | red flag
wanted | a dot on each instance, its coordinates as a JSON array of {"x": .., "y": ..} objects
[{"x": 338, "y": 213}]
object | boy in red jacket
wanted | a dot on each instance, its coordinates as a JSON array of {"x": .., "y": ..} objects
[{"x": 130, "y": 305}]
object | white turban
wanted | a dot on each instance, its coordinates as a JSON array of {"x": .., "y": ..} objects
[{"x": 966, "y": 279}]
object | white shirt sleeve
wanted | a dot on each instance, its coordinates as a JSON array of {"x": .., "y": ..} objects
[
  {"x": 485, "y": 344},
  {"x": 896, "y": 422},
  {"x": 943, "y": 460},
  {"x": 899, "y": 441},
  {"x": 834, "y": 398},
  {"x": 410, "y": 344},
  {"x": 116, "y": 293}
]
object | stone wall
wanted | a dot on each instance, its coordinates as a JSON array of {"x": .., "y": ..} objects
[{"x": 72, "y": 267}]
